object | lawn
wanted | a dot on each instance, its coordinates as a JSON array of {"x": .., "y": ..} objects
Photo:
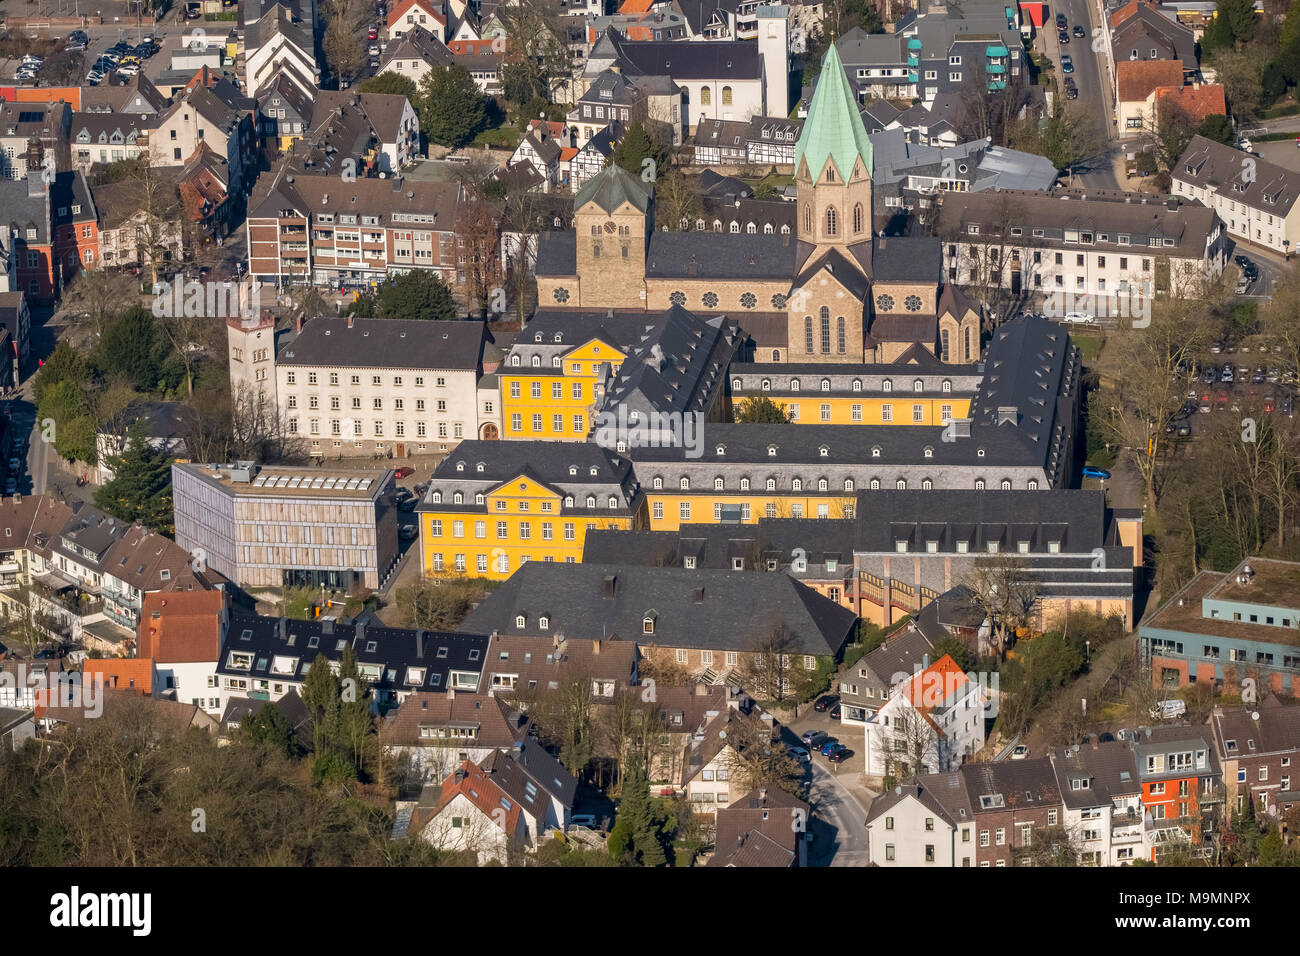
[
  {"x": 1089, "y": 345},
  {"x": 505, "y": 136}
]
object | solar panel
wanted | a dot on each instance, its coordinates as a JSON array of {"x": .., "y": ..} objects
[
  {"x": 317, "y": 482},
  {"x": 295, "y": 481}
]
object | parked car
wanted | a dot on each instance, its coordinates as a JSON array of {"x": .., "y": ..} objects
[
  {"x": 1078, "y": 32},
  {"x": 1169, "y": 709},
  {"x": 836, "y": 712},
  {"x": 583, "y": 820},
  {"x": 1209, "y": 374},
  {"x": 373, "y": 32},
  {"x": 829, "y": 745},
  {"x": 130, "y": 69},
  {"x": 1067, "y": 64},
  {"x": 1020, "y": 752},
  {"x": 813, "y": 738},
  {"x": 404, "y": 471},
  {"x": 1071, "y": 91},
  {"x": 840, "y": 755},
  {"x": 1061, "y": 22},
  {"x": 1078, "y": 318},
  {"x": 1227, "y": 374},
  {"x": 408, "y": 531},
  {"x": 1091, "y": 471},
  {"x": 1242, "y": 285},
  {"x": 1062, "y": 37},
  {"x": 825, "y": 702},
  {"x": 798, "y": 753}
]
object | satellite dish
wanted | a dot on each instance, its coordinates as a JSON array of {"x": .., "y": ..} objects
[
  {"x": 1254, "y": 715},
  {"x": 1076, "y": 748},
  {"x": 722, "y": 734}
]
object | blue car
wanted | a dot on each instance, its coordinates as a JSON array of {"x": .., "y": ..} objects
[
  {"x": 830, "y": 746},
  {"x": 1067, "y": 64},
  {"x": 1090, "y": 472}
]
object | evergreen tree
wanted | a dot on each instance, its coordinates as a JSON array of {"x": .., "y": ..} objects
[
  {"x": 389, "y": 82},
  {"x": 356, "y": 725},
  {"x": 132, "y": 349},
  {"x": 1217, "y": 36},
  {"x": 1218, "y": 128},
  {"x": 321, "y": 694},
  {"x": 451, "y": 108},
  {"x": 637, "y": 147},
  {"x": 1241, "y": 18},
  {"x": 638, "y": 810},
  {"x": 141, "y": 489},
  {"x": 418, "y": 294},
  {"x": 271, "y": 729}
]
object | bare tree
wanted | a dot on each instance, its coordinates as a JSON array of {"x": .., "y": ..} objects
[
  {"x": 768, "y": 670},
  {"x": 757, "y": 758},
  {"x": 478, "y": 223},
  {"x": 1145, "y": 373},
  {"x": 1052, "y": 846},
  {"x": 154, "y": 191},
  {"x": 987, "y": 257},
  {"x": 1002, "y": 589},
  {"x": 677, "y": 201},
  {"x": 94, "y": 297},
  {"x": 909, "y": 747},
  {"x": 341, "y": 45}
]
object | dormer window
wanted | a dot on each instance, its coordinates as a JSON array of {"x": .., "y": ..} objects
[
  {"x": 875, "y": 451},
  {"x": 771, "y": 451},
  {"x": 457, "y": 498},
  {"x": 826, "y": 385},
  {"x": 544, "y": 622},
  {"x": 520, "y": 621},
  {"x": 887, "y": 385},
  {"x": 721, "y": 450},
  {"x": 437, "y": 497},
  {"x": 823, "y": 451},
  {"x": 460, "y": 466},
  {"x": 648, "y": 623}
]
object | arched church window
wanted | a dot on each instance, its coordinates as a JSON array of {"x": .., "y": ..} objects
[
  {"x": 857, "y": 218},
  {"x": 726, "y": 96},
  {"x": 832, "y": 224},
  {"x": 706, "y": 96},
  {"x": 807, "y": 334},
  {"x": 842, "y": 341},
  {"x": 826, "y": 330}
]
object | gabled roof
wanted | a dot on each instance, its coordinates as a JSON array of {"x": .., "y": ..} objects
[
  {"x": 1138, "y": 78},
  {"x": 386, "y": 343},
  {"x": 1197, "y": 102},
  {"x": 526, "y": 760},
  {"x": 186, "y": 628},
  {"x": 482, "y": 791},
  {"x": 834, "y": 129}
]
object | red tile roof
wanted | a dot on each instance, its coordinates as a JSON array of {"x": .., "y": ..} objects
[
  {"x": 400, "y": 10},
  {"x": 635, "y": 6},
  {"x": 483, "y": 793},
  {"x": 186, "y": 628},
  {"x": 935, "y": 685},
  {"x": 1197, "y": 102},
  {"x": 1138, "y": 78},
  {"x": 121, "y": 673}
]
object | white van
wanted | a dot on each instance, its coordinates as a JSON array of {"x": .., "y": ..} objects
[{"x": 1169, "y": 709}]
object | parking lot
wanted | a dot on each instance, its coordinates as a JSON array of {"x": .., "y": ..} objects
[{"x": 1235, "y": 379}]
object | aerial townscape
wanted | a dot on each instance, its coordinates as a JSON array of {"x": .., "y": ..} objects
[{"x": 649, "y": 433}]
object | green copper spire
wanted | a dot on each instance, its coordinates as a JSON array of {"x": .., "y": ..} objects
[{"x": 834, "y": 127}]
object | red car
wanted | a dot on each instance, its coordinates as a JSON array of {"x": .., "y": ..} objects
[
  {"x": 404, "y": 471},
  {"x": 372, "y": 34}
]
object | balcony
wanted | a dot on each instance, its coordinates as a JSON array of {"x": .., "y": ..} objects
[
  {"x": 913, "y": 76},
  {"x": 913, "y": 60},
  {"x": 997, "y": 69}
]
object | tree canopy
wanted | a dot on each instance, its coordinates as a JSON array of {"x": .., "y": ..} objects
[
  {"x": 418, "y": 294},
  {"x": 141, "y": 489},
  {"x": 452, "y": 110}
]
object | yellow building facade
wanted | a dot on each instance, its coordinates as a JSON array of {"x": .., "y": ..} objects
[
  {"x": 474, "y": 523},
  {"x": 555, "y": 401}
]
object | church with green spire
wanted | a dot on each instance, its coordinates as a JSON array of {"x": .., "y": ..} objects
[{"x": 834, "y": 292}]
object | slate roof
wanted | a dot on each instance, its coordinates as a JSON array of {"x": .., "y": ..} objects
[
  {"x": 417, "y": 44},
  {"x": 386, "y": 343},
  {"x": 678, "y": 364},
  {"x": 1110, "y": 769},
  {"x": 1270, "y": 727},
  {"x": 714, "y": 60},
  {"x": 1214, "y": 166},
  {"x": 557, "y": 254},
  {"x": 395, "y": 650},
  {"x": 693, "y": 608},
  {"x": 241, "y": 709},
  {"x": 710, "y": 255},
  {"x": 528, "y": 760},
  {"x": 907, "y": 259}
]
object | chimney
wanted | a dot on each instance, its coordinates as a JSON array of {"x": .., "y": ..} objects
[
  {"x": 419, "y": 645},
  {"x": 762, "y": 794},
  {"x": 611, "y": 582},
  {"x": 298, "y": 324},
  {"x": 1096, "y": 742},
  {"x": 925, "y": 662},
  {"x": 349, "y": 321},
  {"x": 460, "y": 775},
  {"x": 284, "y": 629},
  {"x": 595, "y": 647}
]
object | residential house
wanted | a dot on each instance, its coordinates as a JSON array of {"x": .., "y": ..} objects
[
  {"x": 414, "y": 53},
  {"x": 182, "y": 632},
  {"x": 1073, "y": 246},
  {"x": 766, "y": 827},
  {"x": 522, "y": 669},
  {"x": 218, "y": 117},
  {"x": 409, "y": 17},
  {"x": 470, "y": 812},
  {"x": 1140, "y": 30},
  {"x": 916, "y": 824},
  {"x": 282, "y": 41},
  {"x": 770, "y": 140},
  {"x": 868, "y": 684},
  {"x": 269, "y": 657},
  {"x": 49, "y": 124},
  {"x": 129, "y": 235},
  {"x": 164, "y": 425},
  {"x": 1255, "y": 199},
  {"x": 933, "y": 720},
  {"x": 439, "y": 731},
  {"x": 1257, "y": 746},
  {"x": 1135, "y": 81},
  {"x": 1182, "y": 789},
  {"x": 103, "y": 138}
]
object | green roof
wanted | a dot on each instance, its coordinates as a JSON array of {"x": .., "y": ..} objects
[
  {"x": 834, "y": 127},
  {"x": 612, "y": 187}
]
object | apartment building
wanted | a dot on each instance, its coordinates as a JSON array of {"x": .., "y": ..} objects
[
  {"x": 1117, "y": 247},
  {"x": 219, "y": 117},
  {"x": 1258, "y": 746},
  {"x": 359, "y": 386},
  {"x": 77, "y": 569},
  {"x": 50, "y": 124},
  {"x": 1255, "y": 199},
  {"x": 414, "y": 53},
  {"x": 280, "y": 527},
  {"x": 265, "y": 658},
  {"x": 1181, "y": 788},
  {"x": 1237, "y": 632},
  {"x": 182, "y": 633},
  {"x": 107, "y": 137},
  {"x": 324, "y": 229},
  {"x": 539, "y": 499},
  {"x": 282, "y": 41},
  {"x": 933, "y": 721},
  {"x": 930, "y": 53}
]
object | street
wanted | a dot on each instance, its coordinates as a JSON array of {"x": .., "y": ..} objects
[
  {"x": 839, "y": 821},
  {"x": 1091, "y": 75}
]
